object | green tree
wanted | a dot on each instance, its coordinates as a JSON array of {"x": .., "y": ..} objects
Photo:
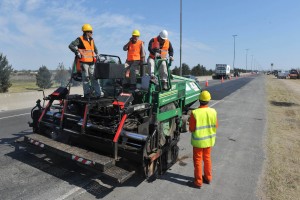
[
  {"x": 185, "y": 69},
  {"x": 200, "y": 70},
  {"x": 197, "y": 70},
  {"x": 175, "y": 71},
  {"x": 62, "y": 75},
  {"x": 74, "y": 83},
  {"x": 43, "y": 78},
  {"x": 5, "y": 72}
]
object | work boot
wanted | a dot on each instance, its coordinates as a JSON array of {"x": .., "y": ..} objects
[
  {"x": 165, "y": 85},
  {"x": 192, "y": 185},
  {"x": 102, "y": 94},
  {"x": 205, "y": 180},
  {"x": 154, "y": 80}
]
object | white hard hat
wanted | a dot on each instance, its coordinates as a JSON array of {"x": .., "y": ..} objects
[{"x": 163, "y": 34}]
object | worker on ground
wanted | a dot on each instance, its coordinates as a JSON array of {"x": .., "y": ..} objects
[
  {"x": 203, "y": 125},
  {"x": 159, "y": 47},
  {"x": 135, "y": 57},
  {"x": 85, "y": 50}
]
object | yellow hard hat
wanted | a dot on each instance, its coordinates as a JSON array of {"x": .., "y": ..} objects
[
  {"x": 136, "y": 33},
  {"x": 87, "y": 27},
  {"x": 205, "y": 96}
]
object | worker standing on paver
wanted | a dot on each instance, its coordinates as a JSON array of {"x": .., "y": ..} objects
[
  {"x": 159, "y": 47},
  {"x": 203, "y": 126},
  {"x": 135, "y": 57},
  {"x": 86, "y": 52}
]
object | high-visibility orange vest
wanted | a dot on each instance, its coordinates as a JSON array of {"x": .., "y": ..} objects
[
  {"x": 87, "y": 54},
  {"x": 164, "y": 50},
  {"x": 134, "y": 51},
  {"x": 206, "y": 127}
]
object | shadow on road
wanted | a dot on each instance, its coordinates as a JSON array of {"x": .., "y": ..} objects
[
  {"x": 176, "y": 178},
  {"x": 90, "y": 181}
]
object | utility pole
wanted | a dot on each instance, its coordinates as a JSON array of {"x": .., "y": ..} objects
[
  {"x": 180, "y": 67},
  {"x": 272, "y": 67},
  {"x": 233, "y": 51},
  {"x": 251, "y": 62},
  {"x": 246, "y": 59}
]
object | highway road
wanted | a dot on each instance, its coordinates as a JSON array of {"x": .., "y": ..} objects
[{"x": 237, "y": 157}]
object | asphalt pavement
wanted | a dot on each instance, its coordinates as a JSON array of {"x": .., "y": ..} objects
[{"x": 237, "y": 157}]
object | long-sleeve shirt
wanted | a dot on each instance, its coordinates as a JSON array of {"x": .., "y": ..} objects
[
  {"x": 153, "y": 51},
  {"x": 77, "y": 44},
  {"x": 192, "y": 121}
]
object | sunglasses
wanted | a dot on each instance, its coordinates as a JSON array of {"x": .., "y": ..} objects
[{"x": 90, "y": 32}]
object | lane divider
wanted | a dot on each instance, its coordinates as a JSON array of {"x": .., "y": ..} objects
[{"x": 14, "y": 116}]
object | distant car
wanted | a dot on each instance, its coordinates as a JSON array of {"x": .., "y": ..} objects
[
  {"x": 283, "y": 74},
  {"x": 293, "y": 74},
  {"x": 192, "y": 77}
]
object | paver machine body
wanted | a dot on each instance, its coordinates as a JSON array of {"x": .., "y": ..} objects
[{"x": 125, "y": 128}]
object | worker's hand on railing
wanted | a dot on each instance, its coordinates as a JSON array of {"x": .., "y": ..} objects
[
  {"x": 78, "y": 55},
  {"x": 157, "y": 55},
  {"x": 171, "y": 58}
]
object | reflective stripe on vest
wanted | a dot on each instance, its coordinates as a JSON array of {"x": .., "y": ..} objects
[
  {"x": 134, "y": 51},
  {"x": 163, "y": 51},
  {"x": 88, "y": 52},
  {"x": 205, "y": 133}
]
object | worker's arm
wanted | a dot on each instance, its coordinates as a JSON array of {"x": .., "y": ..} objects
[
  {"x": 152, "y": 51},
  {"x": 95, "y": 49},
  {"x": 125, "y": 48},
  {"x": 74, "y": 45},
  {"x": 142, "y": 53},
  {"x": 192, "y": 123},
  {"x": 171, "y": 51}
]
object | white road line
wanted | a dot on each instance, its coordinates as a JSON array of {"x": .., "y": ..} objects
[
  {"x": 77, "y": 188},
  {"x": 14, "y": 116},
  {"x": 215, "y": 103}
]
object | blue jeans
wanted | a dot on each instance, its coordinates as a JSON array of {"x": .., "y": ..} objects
[{"x": 89, "y": 82}]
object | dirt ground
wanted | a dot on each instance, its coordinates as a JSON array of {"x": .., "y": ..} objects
[{"x": 281, "y": 174}]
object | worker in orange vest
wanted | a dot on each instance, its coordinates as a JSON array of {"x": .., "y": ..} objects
[
  {"x": 85, "y": 50},
  {"x": 135, "y": 57},
  {"x": 159, "y": 47},
  {"x": 203, "y": 125}
]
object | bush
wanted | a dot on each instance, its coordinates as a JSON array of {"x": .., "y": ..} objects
[
  {"x": 5, "y": 72},
  {"x": 43, "y": 78}
]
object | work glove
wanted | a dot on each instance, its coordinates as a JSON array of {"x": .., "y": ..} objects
[
  {"x": 78, "y": 55},
  {"x": 157, "y": 54},
  {"x": 171, "y": 58}
]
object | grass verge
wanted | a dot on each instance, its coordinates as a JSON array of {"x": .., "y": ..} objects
[
  {"x": 25, "y": 86},
  {"x": 281, "y": 178}
]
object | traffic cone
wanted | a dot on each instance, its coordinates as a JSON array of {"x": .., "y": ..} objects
[
  {"x": 236, "y": 77},
  {"x": 222, "y": 80},
  {"x": 206, "y": 83}
]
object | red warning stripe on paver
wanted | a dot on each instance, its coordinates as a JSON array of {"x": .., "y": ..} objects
[
  {"x": 82, "y": 160},
  {"x": 37, "y": 143}
]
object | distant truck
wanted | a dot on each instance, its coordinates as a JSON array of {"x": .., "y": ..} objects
[{"x": 222, "y": 70}]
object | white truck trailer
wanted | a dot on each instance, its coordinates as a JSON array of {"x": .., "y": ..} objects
[{"x": 222, "y": 70}]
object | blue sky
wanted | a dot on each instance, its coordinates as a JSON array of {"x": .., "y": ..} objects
[{"x": 37, "y": 32}]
